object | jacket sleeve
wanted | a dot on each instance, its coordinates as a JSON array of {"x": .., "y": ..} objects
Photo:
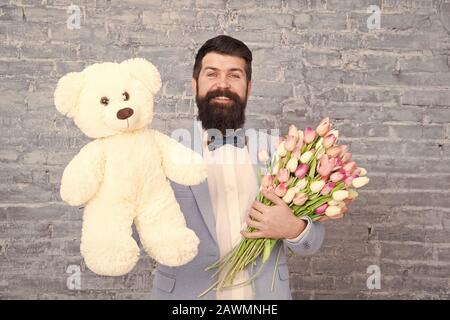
[{"x": 310, "y": 240}]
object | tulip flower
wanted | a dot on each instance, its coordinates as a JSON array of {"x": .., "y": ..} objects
[
  {"x": 328, "y": 141},
  {"x": 292, "y": 164},
  {"x": 301, "y": 184},
  {"x": 334, "y": 132},
  {"x": 327, "y": 188},
  {"x": 316, "y": 186},
  {"x": 300, "y": 199},
  {"x": 304, "y": 158},
  {"x": 349, "y": 179},
  {"x": 321, "y": 209},
  {"x": 289, "y": 196},
  {"x": 325, "y": 166},
  {"x": 346, "y": 157},
  {"x": 296, "y": 153},
  {"x": 310, "y": 135},
  {"x": 337, "y": 176},
  {"x": 324, "y": 126},
  {"x": 334, "y": 151},
  {"x": 340, "y": 195},
  {"x": 301, "y": 171},
  {"x": 283, "y": 175},
  {"x": 352, "y": 194},
  {"x": 263, "y": 155},
  {"x": 349, "y": 167},
  {"x": 334, "y": 202},
  {"x": 290, "y": 143},
  {"x": 281, "y": 150},
  {"x": 281, "y": 189},
  {"x": 267, "y": 180},
  {"x": 332, "y": 211},
  {"x": 360, "y": 182},
  {"x": 293, "y": 131},
  {"x": 362, "y": 172}
]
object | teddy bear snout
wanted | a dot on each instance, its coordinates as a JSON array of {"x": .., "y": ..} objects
[{"x": 124, "y": 113}]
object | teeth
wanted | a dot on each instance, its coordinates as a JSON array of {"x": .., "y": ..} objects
[{"x": 222, "y": 98}]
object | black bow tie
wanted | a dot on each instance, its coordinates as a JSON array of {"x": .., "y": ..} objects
[{"x": 236, "y": 139}]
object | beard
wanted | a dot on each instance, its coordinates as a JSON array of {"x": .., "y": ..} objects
[{"x": 221, "y": 116}]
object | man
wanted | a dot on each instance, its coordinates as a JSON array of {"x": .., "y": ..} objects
[{"x": 223, "y": 205}]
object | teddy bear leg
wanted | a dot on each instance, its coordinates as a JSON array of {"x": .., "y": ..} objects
[
  {"x": 163, "y": 232},
  {"x": 107, "y": 244}
]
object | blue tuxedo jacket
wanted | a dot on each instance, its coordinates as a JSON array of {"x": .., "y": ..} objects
[{"x": 188, "y": 281}]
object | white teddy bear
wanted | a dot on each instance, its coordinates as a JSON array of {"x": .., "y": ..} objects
[{"x": 121, "y": 175}]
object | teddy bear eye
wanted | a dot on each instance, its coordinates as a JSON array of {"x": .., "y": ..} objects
[
  {"x": 104, "y": 100},
  {"x": 126, "y": 96}
]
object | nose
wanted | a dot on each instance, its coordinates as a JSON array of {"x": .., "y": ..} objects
[
  {"x": 124, "y": 113},
  {"x": 222, "y": 82}
]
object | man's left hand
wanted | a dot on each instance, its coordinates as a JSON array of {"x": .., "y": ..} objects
[{"x": 273, "y": 222}]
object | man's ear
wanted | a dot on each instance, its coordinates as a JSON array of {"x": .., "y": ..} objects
[
  {"x": 194, "y": 87},
  {"x": 145, "y": 72},
  {"x": 249, "y": 88},
  {"x": 67, "y": 91}
]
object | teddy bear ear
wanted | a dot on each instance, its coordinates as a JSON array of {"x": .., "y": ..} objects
[
  {"x": 145, "y": 72},
  {"x": 67, "y": 92}
]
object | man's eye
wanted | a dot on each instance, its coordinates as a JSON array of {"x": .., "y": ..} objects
[
  {"x": 211, "y": 75},
  {"x": 235, "y": 76}
]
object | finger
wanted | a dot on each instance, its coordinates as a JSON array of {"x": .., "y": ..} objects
[
  {"x": 253, "y": 223},
  {"x": 255, "y": 214},
  {"x": 253, "y": 235},
  {"x": 260, "y": 207},
  {"x": 273, "y": 197}
]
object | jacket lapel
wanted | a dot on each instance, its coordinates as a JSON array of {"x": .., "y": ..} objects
[{"x": 201, "y": 191}]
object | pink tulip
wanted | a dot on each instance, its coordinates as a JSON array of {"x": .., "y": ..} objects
[
  {"x": 299, "y": 144},
  {"x": 321, "y": 209},
  {"x": 281, "y": 189},
  {"x": 310, "y": 135},
  {"x": 325, "y": 166},
  {"x": 290, "y": 143},
  {"x": 267, "y": 180},
  {"x": 300, "y": 199},
  {"x": 324, "y": 126},
  {"x": 349, "y": 167},
  {"x": 346, "y": 157},
  {"x": 334, "y": 151},
  {"x": 348, "y": 180},
  {"x": 301, "y": 171},
  {"x": 337, "y": 176},
  {"x": 283, "y": 175},
  {"x": 293, "y": 131},
  {"x": 329, "y": 141},
  {"x": 327, "y": 188},
  {"x": 296, "y": 153}
]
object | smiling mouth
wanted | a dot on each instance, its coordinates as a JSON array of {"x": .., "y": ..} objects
[{"x": 222, "y": 99}]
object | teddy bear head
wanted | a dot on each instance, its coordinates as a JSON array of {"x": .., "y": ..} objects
[{"x": 109, "y": 98}]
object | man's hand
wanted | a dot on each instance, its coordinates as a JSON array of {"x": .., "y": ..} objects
[{"x": 273, "y": 222}]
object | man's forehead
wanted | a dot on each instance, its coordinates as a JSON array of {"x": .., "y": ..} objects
[{"x": 223, "y": 62}]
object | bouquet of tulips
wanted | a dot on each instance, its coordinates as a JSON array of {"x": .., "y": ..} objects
[{"x": 313, "y": 175}]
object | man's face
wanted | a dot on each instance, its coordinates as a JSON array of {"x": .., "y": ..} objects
[{"x": 221, "y": 91}]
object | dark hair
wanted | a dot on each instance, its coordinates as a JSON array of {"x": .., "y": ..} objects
[{"x": 224, "y": 45}]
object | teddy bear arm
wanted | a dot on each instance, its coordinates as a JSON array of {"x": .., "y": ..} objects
[
  {"x": 180, "y": 164},
  {"x": 83, "y": 175}
]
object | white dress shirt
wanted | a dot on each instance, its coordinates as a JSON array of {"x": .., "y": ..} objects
[{"x": 233, "y": 187}]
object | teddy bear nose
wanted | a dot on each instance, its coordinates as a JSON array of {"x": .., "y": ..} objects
[{"x": 124, "y": 113}]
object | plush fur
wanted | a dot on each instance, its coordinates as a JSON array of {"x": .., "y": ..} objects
[{"x": 121, "y": 176}]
